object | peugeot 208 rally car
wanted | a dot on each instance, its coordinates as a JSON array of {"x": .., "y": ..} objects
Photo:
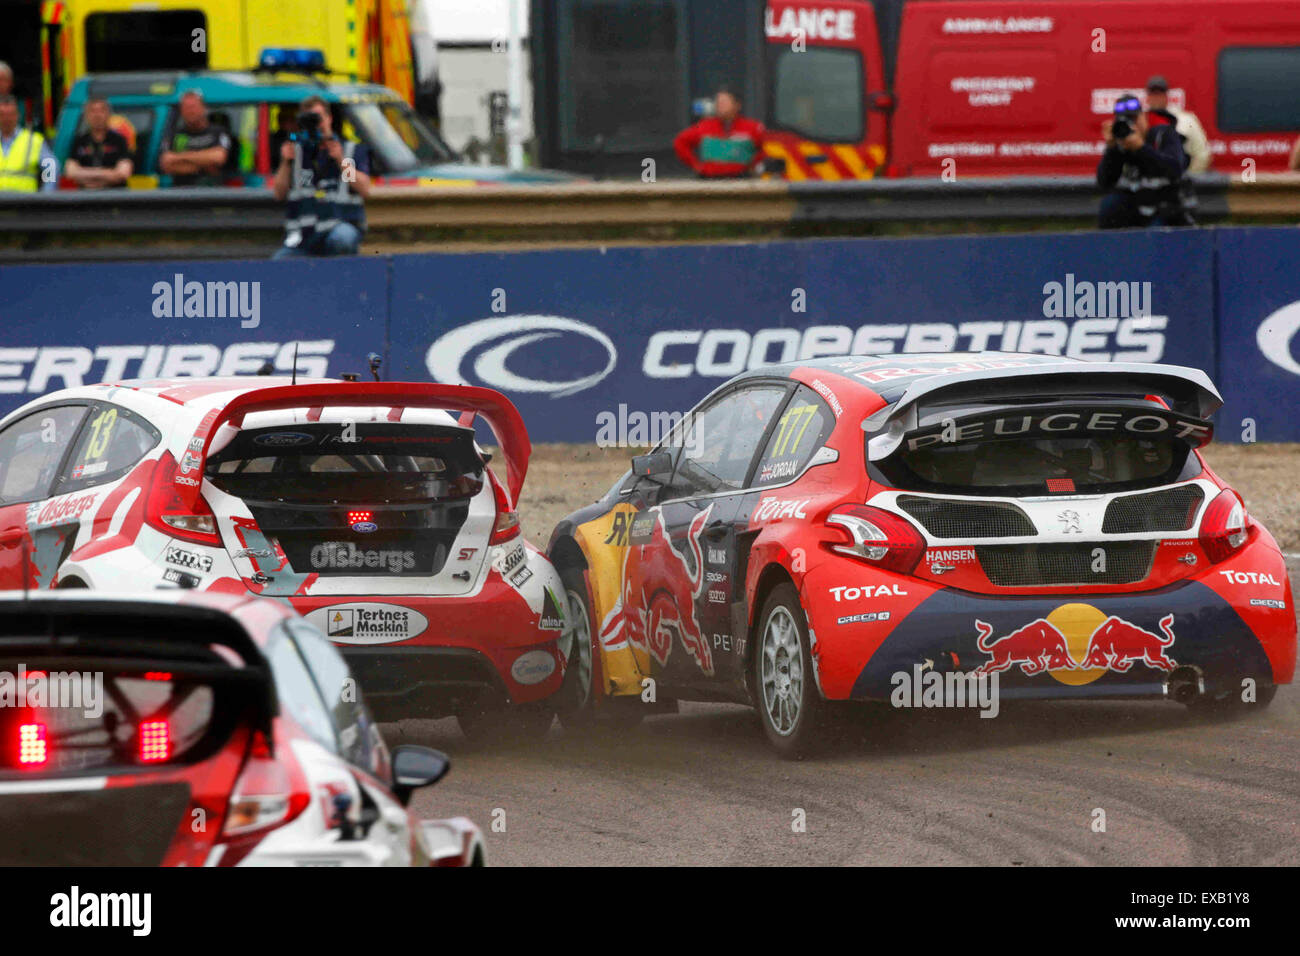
[
  {"x": 199, "y": 729},
  {"x": 810, "y": 531},
  {"x": 366, "y": 506}
]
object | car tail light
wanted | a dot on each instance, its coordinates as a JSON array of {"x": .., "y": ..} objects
[
  {"x": 876, "y": 536},
  {"x": 265, "y": 796},
  {"x": 155, "y": 741},
  {"x": 1224, "y": 528},
  {"x": 33, "y": 747},
  {"x": 507, "y": 523},
  {"x": 165, "y": 511}
]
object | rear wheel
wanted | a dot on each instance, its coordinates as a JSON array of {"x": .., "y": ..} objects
[
  {"x": 790, "y": 706},
  {"x": 576, "y": 703}
]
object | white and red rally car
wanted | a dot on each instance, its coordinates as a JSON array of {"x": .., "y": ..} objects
[
  {"x": 369, "y": 507},
  {"x": 199, "y": 730}
]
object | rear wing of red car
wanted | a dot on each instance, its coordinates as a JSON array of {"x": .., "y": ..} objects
[
  {"x": 497, "y": 410},
  {"x": 1056, "y": 399}
]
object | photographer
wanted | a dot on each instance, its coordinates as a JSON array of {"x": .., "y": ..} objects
[
  {"x": 326, "y": 180},
  {"x": 1143, "y": 167}
]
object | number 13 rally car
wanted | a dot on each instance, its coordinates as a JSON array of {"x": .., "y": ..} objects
[
  {"x": 813, "y": 530},
  {"x": 368, "y": 507}
]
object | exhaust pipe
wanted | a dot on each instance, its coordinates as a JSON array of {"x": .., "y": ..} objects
[{"x": 1184, "y": 685}]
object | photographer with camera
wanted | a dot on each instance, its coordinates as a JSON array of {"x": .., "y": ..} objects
[
  {"x": 326, "y": 181},
  {"x": 1142, "y": 166}
]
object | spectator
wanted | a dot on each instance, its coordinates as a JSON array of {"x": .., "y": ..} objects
[
  {"x": 724, "y": 145},
  {"x": 199, "y": 148},
  {"x": 26, "y": 162},
  {"x": 326, "y": 181},
  {"x": 286, "y": 124},
  {"x": 1195, "y": 145},
  {"x": 1142, "y": 166},
  {"x": 100, "y": 157},
  {"x": 7, "y": 89}
]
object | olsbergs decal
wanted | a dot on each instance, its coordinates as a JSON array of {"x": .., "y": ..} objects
[{"x": 368, "y": 623}]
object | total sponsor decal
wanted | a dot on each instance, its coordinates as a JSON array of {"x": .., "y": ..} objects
[
  {"x": 532, "y": 667},
  {"x": 41, "y": 369},
  {"x": 1076, "y": 644},
  {"x": 775, "y": 509},
  {"x": 368, "y": 623},
  {"x": 722, "y": 353},
  {"x": 866, "y": 591},
  {"x": 1250, "y": 577}
]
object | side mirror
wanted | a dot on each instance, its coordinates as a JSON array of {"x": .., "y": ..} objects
[
  {"x": 415, "y": 767},
  {"x": 657, "y": 466}
]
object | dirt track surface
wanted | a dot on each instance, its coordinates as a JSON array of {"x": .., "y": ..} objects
[{"x": 894, "y": 787}]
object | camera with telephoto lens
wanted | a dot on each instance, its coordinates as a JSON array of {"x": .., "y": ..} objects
[
  {"x": 308, "y": 133},
  {"x": 1122, "y": 128}
]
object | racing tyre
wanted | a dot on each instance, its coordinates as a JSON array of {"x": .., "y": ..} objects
[
  {"x": 789, "y": 705},
  {"x": 491, "y": 722},
  {"x": 575, "y": 702}
]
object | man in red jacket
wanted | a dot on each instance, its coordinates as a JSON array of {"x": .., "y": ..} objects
[{"x": 724, "y": 145}]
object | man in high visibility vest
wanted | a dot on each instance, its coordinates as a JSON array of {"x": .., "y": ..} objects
[{"x": 26, "y": 163}]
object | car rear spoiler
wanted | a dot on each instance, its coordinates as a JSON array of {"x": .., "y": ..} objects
[
  {"x": 97, "y": 634},
  {"x": 497, "y": 410},
  {"x": 1188, "y": 392}
]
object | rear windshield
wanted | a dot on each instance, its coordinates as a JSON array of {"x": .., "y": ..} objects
[
  {"x": 328, "y": 462},
  {"x": 1041, "y": 465}
]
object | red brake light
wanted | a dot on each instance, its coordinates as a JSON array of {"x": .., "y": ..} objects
[
  {"x": 33, "y": 747},
  {"x": 1224, "y": 527},
  {"x": 155, "y": 741},
  {"x": 165, "y": 511},
  {"x": 355, "y": 516},
  {"x": 265, "y": 796},
  {"x": 507, "y": 523},
  {"x": 878, "y": 537}
]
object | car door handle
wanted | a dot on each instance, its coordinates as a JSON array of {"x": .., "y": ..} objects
[{"x": 716, "y": 531}]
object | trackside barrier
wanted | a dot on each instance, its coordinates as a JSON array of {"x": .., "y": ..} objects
[{"x": 588, "y": 342}]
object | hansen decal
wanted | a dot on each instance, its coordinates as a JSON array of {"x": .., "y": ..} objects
[{"x": 1076, "y": 644}]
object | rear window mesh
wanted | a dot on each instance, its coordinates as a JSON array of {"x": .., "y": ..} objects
[
  {"x": 1030, "y": 565},
  {"x": 1173, "y": 509},
  {"x": 945, "y": 518}
]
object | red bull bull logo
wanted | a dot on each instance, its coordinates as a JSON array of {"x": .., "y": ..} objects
[
  {"x": 1076, "y": 644},
  {"x": 658, "y": 599}
]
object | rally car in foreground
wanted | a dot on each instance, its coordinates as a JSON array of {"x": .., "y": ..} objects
[
  {"x": 812, "y": 531},
  {"x": 199, "y": 729},
  {"x": 369, "y": 507}
]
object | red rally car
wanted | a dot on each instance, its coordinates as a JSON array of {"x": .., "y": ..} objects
[
  {"x": 811, "y": 531},
  {"x": 369, "y": 507}
]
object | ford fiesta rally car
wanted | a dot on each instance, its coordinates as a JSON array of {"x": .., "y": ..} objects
[
  {"x": 812, "y": 530},
  {"x": 366, "y": 506},
  {"x": 198, "y": 730}
]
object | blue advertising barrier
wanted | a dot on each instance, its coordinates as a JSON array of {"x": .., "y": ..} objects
[{"x": 571, "y": 335}]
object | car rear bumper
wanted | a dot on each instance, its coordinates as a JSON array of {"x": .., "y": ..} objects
[
  {"x": 425, "y": 682},
  {"x": 1205, "y": 630}
]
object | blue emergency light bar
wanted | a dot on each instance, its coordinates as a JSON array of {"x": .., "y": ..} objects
[{"x": 299, "y": 60}]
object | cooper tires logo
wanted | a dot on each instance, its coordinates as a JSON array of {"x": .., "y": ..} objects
[
  {"x": 494, "y": 342},
  {"x": 1275, "y": 334}
]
